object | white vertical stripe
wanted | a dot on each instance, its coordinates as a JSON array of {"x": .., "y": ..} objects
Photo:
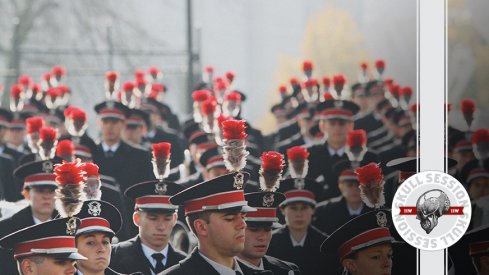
[{"x": 431, "y": 16}]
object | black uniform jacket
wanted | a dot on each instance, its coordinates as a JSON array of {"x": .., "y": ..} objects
[
  {"x": 128, "y": 257},
  {"x": 308, "y": 258},
  {"x": 195, "y": 264}
]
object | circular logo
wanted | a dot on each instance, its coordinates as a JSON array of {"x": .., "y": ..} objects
[{"x": 431, "y": 210}]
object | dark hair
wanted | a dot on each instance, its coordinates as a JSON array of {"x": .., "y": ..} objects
[{"x": 193, "y": 217}]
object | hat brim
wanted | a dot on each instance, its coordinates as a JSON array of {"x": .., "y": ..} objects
[
  {"x": 272, "y": 225},
  {"x": 70, "y": 256},
  {"x": 108, "y": 231},
  {"x": 237, "y": 209}
]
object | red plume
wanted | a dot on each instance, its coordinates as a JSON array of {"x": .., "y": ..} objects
[
  {"x": 356, "y": 138},
  {"x": 282, "y": 89},
  {"x": 371, "y": 182},
  {"x": 338, "y": 82},
  {"x": 78, "y": 115},
  {"x": 467, "y": 106},
  {"x": 388, "y": 81},
  {"x": 293, "y": 81},
  {"x": 230, "y": 76},
  {"x": 139, "y": 74},
  {"x": 394, "y": 90},
  {"x": 233, "y": 96},
  {"x": 161, "y": 150},
  {"x": 128, "y": 86},
  {"x": 221, "y": 118},
  {"x": 91, "y": 169},
  {"x": 209, "y": 69},
  {"x": 272, "y": 161},
  {"x": 208, "y": 107},
  {"x": 328, "y": 96},
  {"x": 25, "y": 80},
  {"x": 69, "y": 196},
  {"x": 92, "y": 187},
  {"x": 406, "y": 91},
  {"x": 158, "y": 87},
  {"x": 326, "y": 81},
  {"x": 364, "y": 66},
  {"x": 65, "y": 149},
  {"x": 368, "y": 174},
  {"x": 380, "y": 65},
  {"x": 46, "y": 76},
  {"x": 161, "y": 159},
  {"x": 154, "y": 70},
  {"x": 307, "y": 65},
  {"x": 68, "y": 110},
  {"x": 297, "y": 153},
  {"x": 16, "y": 90},
  {"x": 310, "y": 83},
  {"x": 63, "y": 89},
  {"x": 271, "y": 170},
  {"x": 58, "y": 71},
  {"x": 48, "y": 133},
  {"x": 54, "y": 92},
  {"x": 234, "y": 148},
  {"x": 36, "y": 88},
  {"x": 111, "y": 76},
  {"x": 219, "y": 86},
  {"x": 34, "y": 124},
  {"x": 414, "y": 108},
  {"x": 201, "y": 95},
  {"x": 234, "y": 129},
  {"x": 298, "y": 162},
  {"x": 480, "y": 136}
]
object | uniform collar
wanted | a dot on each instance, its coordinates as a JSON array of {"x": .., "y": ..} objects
[
  {"x": 113, "y": 148},
  {"x": 338, "y": 152},
  {"x": 250, "y": 265},
  {"x": 148, "y": 252},
  {"x": 221, "y": 269},
  {"x": 298, "y": 243}
]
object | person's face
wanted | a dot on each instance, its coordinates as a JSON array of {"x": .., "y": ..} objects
[
  {"x": 216, "y": 172},
  {"x": 350, "y": 191},
  {"x": 479, "y": 188},
  {"x": 48, "y": 266},
  {"x": 111, "y": 129},
  {"x": 96, "y": 247},
  {"x": 3, "y": 131},
  {"x": 257, "y": 240},
  {"x": 462, "y": 157},
  {"x": 401, "y": 131},
  {"x": 306, "y": 124},
  {"x": 336, "y": 129},
  {"x": 42, "y": 200},
  {"x": 361, "y": 101},
  {"x": 16, "y": 136},
  {"x": 375, "y": 98},
  {"x": 225, "y": 233},
  {"x": 376, "y": 260},
  {"x": 298, "y": 215},
  {"x": 155, "y": 227},
  {"x": 133, "y": 134}
]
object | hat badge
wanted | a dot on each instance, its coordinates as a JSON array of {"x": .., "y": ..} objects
[
  {"x": 71, "y": 226},
  {"x": 238, "y": 180},
  {"x": 47, "y": 167},
  {"x": 338, "y": 104},
  {"x": 381, "y": 219},
  {"x": 94, "y": 208},
  {"x": 110, "y": 104},
  {"x": 268, "y": 200},
  {"x": 160, "y": 188},
  {"x": 299, "y": 183}
]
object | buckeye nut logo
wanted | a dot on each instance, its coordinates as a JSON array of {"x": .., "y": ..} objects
[{"x": 431, "y": 210}]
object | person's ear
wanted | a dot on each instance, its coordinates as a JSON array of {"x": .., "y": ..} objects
[
  {"x": 282, "y": 210},
  {"x": 201, "y": 227},
  {"x": 27, "y": 266},
  {"x": 174, "y": 219},
  {"x": 350, "y": 265},
  {"x": 136, "y": 218}
]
